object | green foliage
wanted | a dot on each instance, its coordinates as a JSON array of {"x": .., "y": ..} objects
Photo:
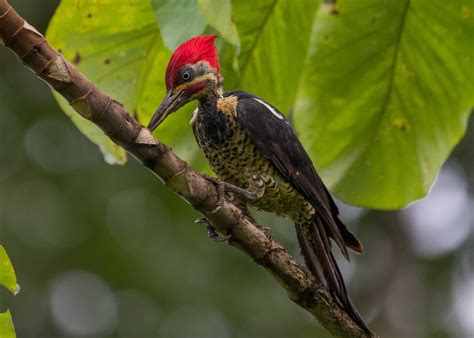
[
  {"x": 7, "y": 274},
  {"x": 8, "y": 280},
  {"x": 218, "y": 14},
  {"x": 386, "y": 95},
  {"x": 6, "y": 325},
  {"x": 199, "y": 16},
  {"x": 170, "y": 16},
  {"x": 380, "y": 91}
]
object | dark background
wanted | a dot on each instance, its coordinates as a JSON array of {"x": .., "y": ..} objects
[{"x": 103, "y": 251}]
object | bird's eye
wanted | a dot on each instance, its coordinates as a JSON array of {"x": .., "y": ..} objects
[{"x": 186, "y": 75}]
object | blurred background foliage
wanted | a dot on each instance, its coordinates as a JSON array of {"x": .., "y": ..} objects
[{"x": 107, "y": 251}]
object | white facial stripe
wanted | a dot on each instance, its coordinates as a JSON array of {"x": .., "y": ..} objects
[{"x": 274, "y": 112}]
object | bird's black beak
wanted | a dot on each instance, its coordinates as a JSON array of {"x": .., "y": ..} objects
[{"x": 172, "y": 102}]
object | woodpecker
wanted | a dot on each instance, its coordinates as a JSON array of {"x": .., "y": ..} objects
[{"x": 250, "y": 145}]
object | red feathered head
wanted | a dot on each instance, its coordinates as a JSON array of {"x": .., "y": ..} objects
[{"x": 200, "y": 48}]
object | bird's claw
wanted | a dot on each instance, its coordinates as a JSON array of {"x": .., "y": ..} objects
[
  {"x": 223, "y": 187},
  {"x": 215, "y": 236},
  {"x": 211, "y": 231},
  {"x": 201, "y": 220},
  {"x": 220, "y": 186}
]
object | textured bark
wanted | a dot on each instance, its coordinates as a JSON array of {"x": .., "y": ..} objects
[{"x": 35, "y": 53}]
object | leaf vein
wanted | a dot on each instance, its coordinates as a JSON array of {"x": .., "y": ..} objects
[
  {"x": 258, "y": 34},
  {"x": 388, "y": 95}
]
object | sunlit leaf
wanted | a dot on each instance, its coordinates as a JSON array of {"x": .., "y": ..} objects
[
  {"x": 386, "y": 96},
  {"x": 7, "y": 274},
  {"x": 6, "y": 325},
  {"x": 8, "y": 280}
]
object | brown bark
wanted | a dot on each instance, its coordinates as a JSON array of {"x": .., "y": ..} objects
[{"x": 34, "y": 52}]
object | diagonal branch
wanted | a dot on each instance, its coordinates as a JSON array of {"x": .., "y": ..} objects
[{"x": 34, "y": 52}]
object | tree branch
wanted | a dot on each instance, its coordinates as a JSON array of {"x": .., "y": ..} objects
[{"x": 34, "y": 52}]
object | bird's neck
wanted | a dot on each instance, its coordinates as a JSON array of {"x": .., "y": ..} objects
[{"x": 208, "y": 102}]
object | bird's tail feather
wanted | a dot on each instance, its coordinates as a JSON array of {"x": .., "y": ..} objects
[
  {"x": 316, "y": 250},
  {"x": 350, "y": 240}
]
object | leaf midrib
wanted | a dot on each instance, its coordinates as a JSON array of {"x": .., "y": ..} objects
[
  {"x": 383, "y": 110},
  {"x": 257, "y": 36},
  {"x": 393, "y": 66}
]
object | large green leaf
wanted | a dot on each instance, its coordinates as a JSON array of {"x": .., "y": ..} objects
[
  {"x": 8, "y": 280},
  {"x": 386, "y": 95}
]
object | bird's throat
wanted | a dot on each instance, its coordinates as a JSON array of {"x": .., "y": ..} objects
[{"x": 208, "y": 102}]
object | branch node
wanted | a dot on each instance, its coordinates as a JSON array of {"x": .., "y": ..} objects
[
  {"x": 57, "y": 69},
  {"x": 82, "y": 106},
  {"x": 26, "y": 25},
  {"x": 1, "y": 17},
  {"x": 114, "y": 132},
  {"x": 6, "y": 12},
  {"x": 178, "y": 182},
  {"x": 264, "y": 259},
  {"x": 145, "y": 137},
  {"x": 106, "y": 108}
]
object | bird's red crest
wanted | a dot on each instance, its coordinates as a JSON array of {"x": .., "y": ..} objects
[{"x": 199, "y": 48}]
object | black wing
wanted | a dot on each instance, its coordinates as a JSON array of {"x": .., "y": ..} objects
[{"x": 273, "y": 135}]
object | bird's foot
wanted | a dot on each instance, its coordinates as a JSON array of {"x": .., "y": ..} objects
[
  {"x": 212, "y": 233},
  {"x": 220, "y": 192},
  {"x": 223, "y": 187}
]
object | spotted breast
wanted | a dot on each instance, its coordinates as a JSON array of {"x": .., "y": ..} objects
[{"x": 235, "y": 159}]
